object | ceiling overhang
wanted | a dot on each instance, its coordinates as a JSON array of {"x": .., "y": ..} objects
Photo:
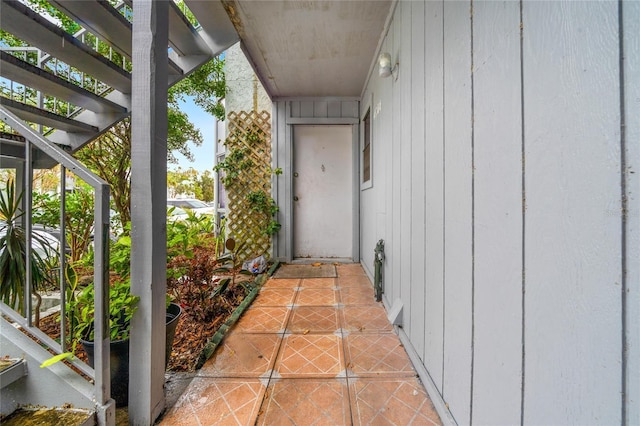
[{"x": 310, "y": 48}]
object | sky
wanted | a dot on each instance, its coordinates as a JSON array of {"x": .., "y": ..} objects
[{"x": 204, "y": 154}]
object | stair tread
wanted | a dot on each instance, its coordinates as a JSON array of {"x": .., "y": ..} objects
[{"x": 49, "y": 416}]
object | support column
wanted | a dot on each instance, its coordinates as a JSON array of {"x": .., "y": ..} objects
[{"x": 148, "y": 209}]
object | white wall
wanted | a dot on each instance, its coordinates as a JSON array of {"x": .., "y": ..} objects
[
  {"x": 244, "y": 90},
  {"x": 499, "y": 174}
]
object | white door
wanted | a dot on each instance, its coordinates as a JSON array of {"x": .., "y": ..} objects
[{"x": 322, "y": 192}]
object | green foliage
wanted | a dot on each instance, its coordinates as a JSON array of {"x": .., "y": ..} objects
[
  {"x": 122, "y": 306},
  {"x": 207, "y": 87},
  {"x": 183, "y": 235},
  {"x": 13, "y": 251},
  {"x": 221, "y": 237},
  {"x": 120, "y": 256},
  {"x": 273, "y": 227},
  {"x": 78, "y": 220},
  {"x": 262, "y": 203},
  {"x": 234, "y": 163}
]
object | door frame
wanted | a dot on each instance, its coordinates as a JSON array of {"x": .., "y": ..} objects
[
  {"x": 282, "y": 132},
  {"x": 355, "y": 157}
]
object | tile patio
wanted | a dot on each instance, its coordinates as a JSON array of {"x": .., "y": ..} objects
[{"x": 311, "y": 351}]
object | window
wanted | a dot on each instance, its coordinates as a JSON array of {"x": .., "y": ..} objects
[{"x": 366, "y": 150}]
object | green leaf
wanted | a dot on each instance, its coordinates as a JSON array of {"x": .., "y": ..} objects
[{"x": 57, "y": 358}]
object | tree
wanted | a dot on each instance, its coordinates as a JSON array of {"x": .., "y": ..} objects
[
  {"x": 109, "y": 157},
  {"x": 46, "y": 180},
  {"x": 181, "y": 182},
  {"x": 204, "y": 186}
]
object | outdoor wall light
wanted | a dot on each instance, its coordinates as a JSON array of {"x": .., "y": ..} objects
[{"x": 384, "y": 64}]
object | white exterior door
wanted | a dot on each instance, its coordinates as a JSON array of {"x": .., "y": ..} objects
[{"x": 323, "y": 191}]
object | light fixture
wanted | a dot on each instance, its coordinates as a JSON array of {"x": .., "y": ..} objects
[{"x": 384, "y": 64}]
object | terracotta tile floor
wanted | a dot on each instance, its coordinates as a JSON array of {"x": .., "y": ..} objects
[{"x": 312, "y": 351}]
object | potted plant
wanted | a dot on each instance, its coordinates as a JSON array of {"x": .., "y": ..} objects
[
  {"x": 119, "y": 262},
  {"x": 122, "y": 305},
  {"x": 174, "y": 312}
]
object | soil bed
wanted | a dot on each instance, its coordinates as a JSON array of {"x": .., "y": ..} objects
[{"x": 194, "y": 329}]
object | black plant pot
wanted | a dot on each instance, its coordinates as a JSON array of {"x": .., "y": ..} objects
[
  {"x": 119, "y": 367},
  {"x": 174, "y": 311},
  {"x": 119, "y": 357}
]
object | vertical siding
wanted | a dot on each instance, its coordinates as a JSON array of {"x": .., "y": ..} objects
[
  {"x": 631, "y": 43},
  {"x": 323, "y": 108},
  {"x": 572, "y": 239},
  {"x": 406, "y": 220},
  {"x": 434, "y": 192},
  {"x": 497, "y": 190},
  {"x": 307, "y": 109},
  {"x": 498, "y": 213},
  {"x": 417, "y": 290},
  {"x": 458, "y": 214},
  {"x": 320, "y": 109},
  {"x": 334, "y": 109},
  {"x": 393, "y": 289}
]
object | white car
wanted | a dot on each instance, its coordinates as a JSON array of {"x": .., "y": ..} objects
[
  {"x": 196, "y": 206},
  {"x": 43, "y": 243},
  {"x": 176, "y": 214}
]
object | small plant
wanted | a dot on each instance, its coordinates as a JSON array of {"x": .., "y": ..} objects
[
  {"x": 122, "y": 306},
  {"x": 80, "y": 310},
  {"x": 231, "y": 262},
  {"x": 192, "y": 282},
  {"x": 220, "y": 237}
]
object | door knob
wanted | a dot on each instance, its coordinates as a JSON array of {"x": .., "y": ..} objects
[
  {"x": 295, "y": 198},
  {"x": 295, "y": 174}
]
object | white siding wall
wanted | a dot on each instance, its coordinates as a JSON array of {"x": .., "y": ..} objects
[
  {"x": 497, "y": 171},
  {"x": 572, "y": 220},
  {"x": 631, "y": 151},
  {"x": 497, "y": 212}
]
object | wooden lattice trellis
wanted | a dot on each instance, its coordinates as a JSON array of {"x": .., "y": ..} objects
[{"x": 250, "y": 133}]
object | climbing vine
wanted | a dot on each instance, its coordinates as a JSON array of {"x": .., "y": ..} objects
[{"x": 246, "y": 174}]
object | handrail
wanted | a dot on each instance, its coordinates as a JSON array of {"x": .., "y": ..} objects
[{"x": 101, "y": 249}]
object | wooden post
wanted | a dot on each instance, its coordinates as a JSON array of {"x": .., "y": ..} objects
[{"x": 148, "y": 209}]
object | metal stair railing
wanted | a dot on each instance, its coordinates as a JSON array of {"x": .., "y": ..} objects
[{"x": 100, "y": 373}]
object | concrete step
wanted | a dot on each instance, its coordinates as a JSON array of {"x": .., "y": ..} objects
[{"x": 11, "y": 369}]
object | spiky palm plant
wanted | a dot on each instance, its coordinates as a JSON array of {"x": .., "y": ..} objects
[{"x": 13, "y": 250}]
